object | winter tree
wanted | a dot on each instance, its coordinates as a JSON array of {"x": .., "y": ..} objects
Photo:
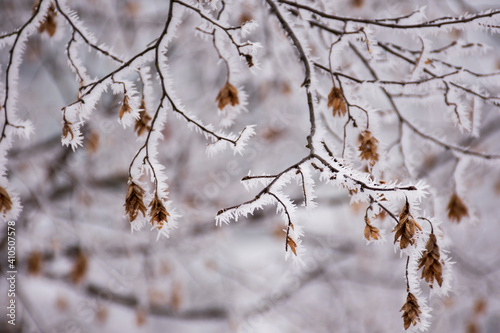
[{"x": 355, "y": 142}]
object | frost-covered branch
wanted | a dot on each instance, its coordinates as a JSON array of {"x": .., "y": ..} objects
[{"x": 436, "y": 23}]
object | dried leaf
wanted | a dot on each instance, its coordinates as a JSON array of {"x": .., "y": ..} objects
[
  {"x": 134, "y": 201},
  {"x": 92, "y": 142},
  {"x": 5, "y": 201},
  {"x": 125, "y": 108},
  {"x": 249, "y": 60},
  {"x": 101, "y": 314},
  {"x": 80, "y": 267},
  {"x": 62, "y": 303},
  {"x": 406, "y": 228},
  {"x": 432, "y": 269},
  {"x": 411, "y": 311},
  {"x": 142, "y": 124},
  {"x": 158, "y": 213},
  {"x": 480, "y": 306},
  {"x": 49, "y": 24},
  {"x": 66, "y": 130},
  {"x": 371, "y": 232},
  {"x": 456, "y": 208},
  {"x": 358, "y": 3},
  {"x": 337, "y": 102},
  {"x": 227, "y": 95},
  {"x": 245, "y": 17},
  {"x": 176, "y": 296},
  {"x": 368, "y": 147},
  {"x": 472, "y": 327},
  {"x": 291, "y": 244},
  {"x": 34, "y": 263},
  {"x": 140, "y": 316}
]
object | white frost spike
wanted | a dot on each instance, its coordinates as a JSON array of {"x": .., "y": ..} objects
[
  {"x": 255, "y": 181},
  {"x": 307, "y": 183},
  {"x": 284, "y": 205},
  {"x": 25, "y": 129},
  {"x": 138, "y": 224},
  {"x": 148, "y": 90},
  {"x": 248, "y": 28},
  {"x": 243, "y": 209}
]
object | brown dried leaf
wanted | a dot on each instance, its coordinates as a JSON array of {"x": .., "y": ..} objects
[
  {"x": 80, "y": 267},
  {"x": 406, "y": 228},
  {"x": 142, "y": 124},
  {"x": 125, "y": 108},
  {"x": 472, "y": 327},
  {"x": 92, "y": 142},
  {"x": 432, "y": 269},
  {"x": 134, "y": 201},
  {"x": 158, "y": 213},
  {"x": 249, "y": 59},
  {"x": 227, "y": 95},
  {"x": 291, "y": 244},
  {"x": 140, "y": 316},
  {"x": 176, "y": 296},
  {"x": 411, "y": 311},
  {"x": 358, "y": 3},
  {"x": 497, "y": 186},
  {"x": 66, "y": 130},
  {"x": 62, "y": 303},
  {"x": 371, "y": 232},
  {"x": 101, "y": 314},
  {"x": 368, "y": 147},
  {"x": 5, "y": 201},
  {"x": 34, "y": 263},
  {"x": 245, "y": 17},
  {"x": 480, "y": 306},
  {"x": 49, "y": 24},
  {"x": 456, "y": 208},
  {"x": 337, "y": 102}
]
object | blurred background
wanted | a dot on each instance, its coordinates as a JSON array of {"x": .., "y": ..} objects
[{"x": 80, "y": 269}]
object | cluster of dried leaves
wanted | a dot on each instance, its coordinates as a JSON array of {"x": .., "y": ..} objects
[
  {"x": 406, "y": 228},
  {"x": 336, "y": 102},
  {"x": 411, "y": 311},
  {"x": 227, "y": 95},
  {"x": 134, "y": 204}
]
